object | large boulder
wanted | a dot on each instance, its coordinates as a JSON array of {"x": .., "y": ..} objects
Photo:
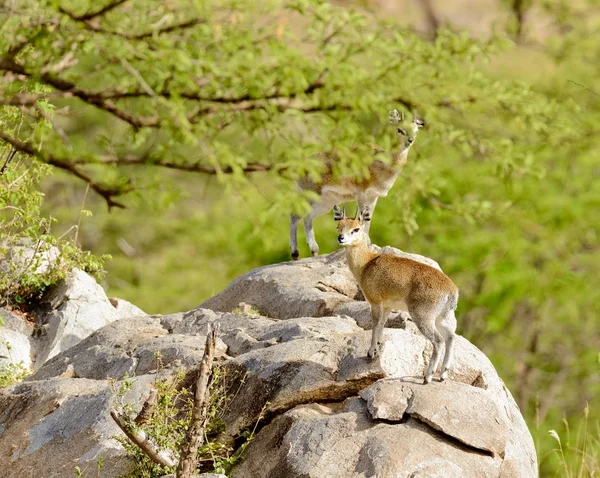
[
  {"x": 52, "y": 426},
  {"x": 318, "y": 405},
  {"x": 28, "y": 257},
  {"x": 314, "y": 287},
  {"x": 69, "y": 312},
  {"x": 15, "y": 347},
  {"x": 135, "y": 346}
]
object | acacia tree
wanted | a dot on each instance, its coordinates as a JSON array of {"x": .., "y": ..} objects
[{"x": 231, "y": 87}]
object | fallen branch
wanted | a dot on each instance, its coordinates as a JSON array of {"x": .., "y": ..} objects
[
  {"x": 195, "y": 434},
  {"x": 139, "y": 437}
]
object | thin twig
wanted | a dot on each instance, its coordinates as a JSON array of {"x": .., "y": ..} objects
[
  {"x": 107, "y": 193},
  {"x": 584, "y": 87},
  {"x": 87, "y": 189},
  {"x": 89, "y": 15},
  {"x": 138, "y": 76},
  {"x": 55, "y": 126}
]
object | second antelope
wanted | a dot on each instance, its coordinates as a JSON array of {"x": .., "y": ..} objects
[
  {"x": 365, "y": 191},
  {"x": 392, "y": 282}
]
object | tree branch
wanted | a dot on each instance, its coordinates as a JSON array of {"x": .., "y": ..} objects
[
  {"x": 519, "y": 8},
  {"x": 89, "y": 15},
  {"x": 148, "y": 408},
  {"x": 194, "y": 438},
  {"x": 107, "y": 193},
  {"x": 193, "y": 167},
  {"x": 102, "y": 100},
  {"x": 94, "y": 27},
  {"x": 140, "y": 438},
  {"x": 95, "y": 100},
  {"x": 433, "y": 22}
]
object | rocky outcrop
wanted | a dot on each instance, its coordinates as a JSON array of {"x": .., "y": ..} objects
[
  {"x": 315, "y": 287},
  {"x": 15, "y": 347},
  {"x": 68, "y": 313},
  {"x": 54, "y": 425},
  {"x": 318, "y": 406}
]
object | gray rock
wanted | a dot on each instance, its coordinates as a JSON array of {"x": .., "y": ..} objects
[
  {"x": 313, "y": 287},
  {"x": 324, "y": 408},
  {"x": 136, "y": 346},
  {"x": 14, "y": 348},
  {"x": 306, "y": 288},
  {"x": 360, "y": 311},
  {"x": 469, "y": 414},
  {"x": 28, "y": 257},
  {"x": 14, "y": 340},
  {"x": 68, "y": 313},
  {"x": 53, "y": 426},
  {"x": 340, "y": 441},
  {"x": 126, "y": 309}
]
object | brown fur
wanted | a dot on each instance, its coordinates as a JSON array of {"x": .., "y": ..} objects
[
  {"x": 390, "y": 282},
  {"x": 379, "y": 172}
]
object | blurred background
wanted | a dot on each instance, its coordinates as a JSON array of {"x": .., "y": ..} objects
[{"x": 502, "y": 186}]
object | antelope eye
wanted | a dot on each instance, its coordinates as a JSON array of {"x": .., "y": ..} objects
[
  {"x": 355, "y": 230},
  {"x": 401, "y": 131}
]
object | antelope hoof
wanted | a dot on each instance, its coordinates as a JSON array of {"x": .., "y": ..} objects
[
  {"x": 443, "y": 375},
  {"x": 427, "y": 379},
  {"x": 295, "y": 255},
  {"x": 315, "y": 253},
  {"x": 373, "y": 352}
]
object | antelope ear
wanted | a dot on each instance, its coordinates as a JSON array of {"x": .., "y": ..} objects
[
  {"x": 365, "y": 214},
  {"x": 338, "y": 214},
  {"x": 395, "y": 117}
]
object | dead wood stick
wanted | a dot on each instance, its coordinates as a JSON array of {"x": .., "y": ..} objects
[
  {"x": 194, "y": 439},
  {"x": 147, "y": 408},
  {"x": 141, "y": 439}
]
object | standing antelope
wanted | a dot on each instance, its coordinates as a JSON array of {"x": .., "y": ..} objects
[
  {"x": 392, "y": 282},
  {"x": 365, "y": 191}
]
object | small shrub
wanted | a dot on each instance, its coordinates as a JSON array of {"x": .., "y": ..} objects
[
  {"x": 31, "y": 258},
  {"x": 12, "y": 372},
  {"x": 171, "y": 416}
]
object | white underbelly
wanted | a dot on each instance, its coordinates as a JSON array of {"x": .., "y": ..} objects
[{"x": 397, "y": 305}]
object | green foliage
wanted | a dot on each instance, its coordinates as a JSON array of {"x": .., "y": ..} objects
[
  {"x": 273, "y": 83},
  {"x": 33, "y": 259},
  {"x": 170, "y": 417},
  {"x": 11, "y": 372}
]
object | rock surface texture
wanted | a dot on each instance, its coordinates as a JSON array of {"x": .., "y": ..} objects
[
  {"x": 327, "y": 410},
  {"x": 67, "y": 314}
]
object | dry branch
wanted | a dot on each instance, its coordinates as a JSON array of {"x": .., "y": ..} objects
[
  {"x": 195, "y": 433},
  {"x": 141, "y": 439},
  {"x": 147, "y": 408},
  {"x": 188, "y": 462},
  {"x": 70, "y": 167}
]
